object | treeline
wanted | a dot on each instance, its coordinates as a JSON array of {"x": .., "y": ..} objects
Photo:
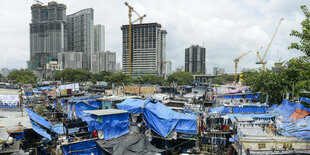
[
  {"x": 22, "y": 76},
  {"x": 80, "y": 75}
]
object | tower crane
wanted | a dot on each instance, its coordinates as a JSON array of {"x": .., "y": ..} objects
[
  {"x": 236, "y": 63},
  {"x": 261, "y": 59},
  {"x": 140, "y": 18}
]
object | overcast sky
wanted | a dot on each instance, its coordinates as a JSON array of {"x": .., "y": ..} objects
[{"x": 227, "y": 28}]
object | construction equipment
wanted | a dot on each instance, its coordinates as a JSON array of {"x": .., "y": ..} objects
[
  {"x": 261, "y": 59},
  {"x": 236, "y": 63},
  {"x": 140, "y": 18}
]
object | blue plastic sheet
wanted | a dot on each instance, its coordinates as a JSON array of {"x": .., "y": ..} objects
[
  {"x": 60, "y": 129},
  {"x": 27, "y": 93},
  {"x": 39, "y": 119},
  {"x": 221, "y": 109},
  {"x": 254, "y": 116},
  {"x": 40, "y": 131},
  {"x": 306, "y": 100},
  {"x": 249, "y": 97},
  {"x": 79, "y": 108},
  {"x": 134, "y": 106},
  {"x": 286, "y": 108},
  {"x": 47, "y": 88},
  {"x": 95, "y": 103},
  {"x": 249, "y": 109},
  {"x": 83, "y": 148},
  {"x": 112, "y": 125},
  {"x": 302, "y": 102},
  {"x": 159, "y": 118}
]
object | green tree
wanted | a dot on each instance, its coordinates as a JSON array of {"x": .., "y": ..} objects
[
  {"x": 304, "y": 35},
  {"x": 22, "y": 76},
  {"x": 293, "y": 79},
  {"x": 223, "y": 79},
  {"x": 74, "y": 75},
  {"x": 102, "y": 76},
  {"x": 151, "y": 79},
  {"x": 181, "y": 78},
  {"x": 119, "y": 79}
]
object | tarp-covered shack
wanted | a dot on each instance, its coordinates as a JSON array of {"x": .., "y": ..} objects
[
  {"x": 112, "y": 122},
  {"x": 159, "y": 118}
]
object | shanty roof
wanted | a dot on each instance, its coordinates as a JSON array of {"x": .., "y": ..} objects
[
  {"x": 103, "y": 112},
  {"x": 115, "y": 98}
]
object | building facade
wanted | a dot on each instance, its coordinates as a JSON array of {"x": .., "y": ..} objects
[
  {"x": 218, "y": 71},
  {"x": 103, "y": 61},
  {"x": 167, "y": 69},
  {"x": 221, "y": 71},
  {"x": 180, "y": 69},
  {"x": 72, "y": 60},
  {"x": 48, "y": 34},
  {"x": 110, "y": 64},
  {"x": 80, "y": 26},
  {"x": 195, "y": 59},
  {"x": 52, "y": 65},
  {"x": 148, "y": 49},
  {"x": 99, "y": 38}
]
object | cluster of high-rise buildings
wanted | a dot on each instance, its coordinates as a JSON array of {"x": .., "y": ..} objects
[{"x": 59, "y": 41}]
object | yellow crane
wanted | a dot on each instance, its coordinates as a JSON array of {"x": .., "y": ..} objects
[
  {"x": 236, "y": 63},
  {"x": 261, "y": 59},
  {"x": 140, "y": 18}
]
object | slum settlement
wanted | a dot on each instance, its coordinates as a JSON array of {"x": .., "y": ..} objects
[{"x": 78, "y": 118}]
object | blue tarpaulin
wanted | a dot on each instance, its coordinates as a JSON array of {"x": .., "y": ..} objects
[
  {"x": 79, "y": 108},
  {"x": 27, "y": 93},
  {"x": 159, "y": 118},
  {"x": 303, "y": 101},
  {"x": 249, "y": 109},
  {"x": 113, "y": 125},
  {"x": 60, "y": 129},
  {"x": 254, "y": 116},
  {"x": 39, "y": 119},
  {"x": 306, "y": 100},
  {"x": 221, "y": 109},
  {"x": 95, "y": 103},
  {"x": 83, "y": 148},
  {"x": 286, "y": 108},
  {"x": 40, "y": 131},
  {"x": 239, "y": 109},
  {"x": 47, "y": 88},
  {"x": 299, "y": 128},
  {"x": 134, "y": 106}
]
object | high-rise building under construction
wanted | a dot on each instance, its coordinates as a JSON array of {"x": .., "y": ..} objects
[
  {"x": 48, "y": 34},
  {"x": 148, "y": 49}
]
